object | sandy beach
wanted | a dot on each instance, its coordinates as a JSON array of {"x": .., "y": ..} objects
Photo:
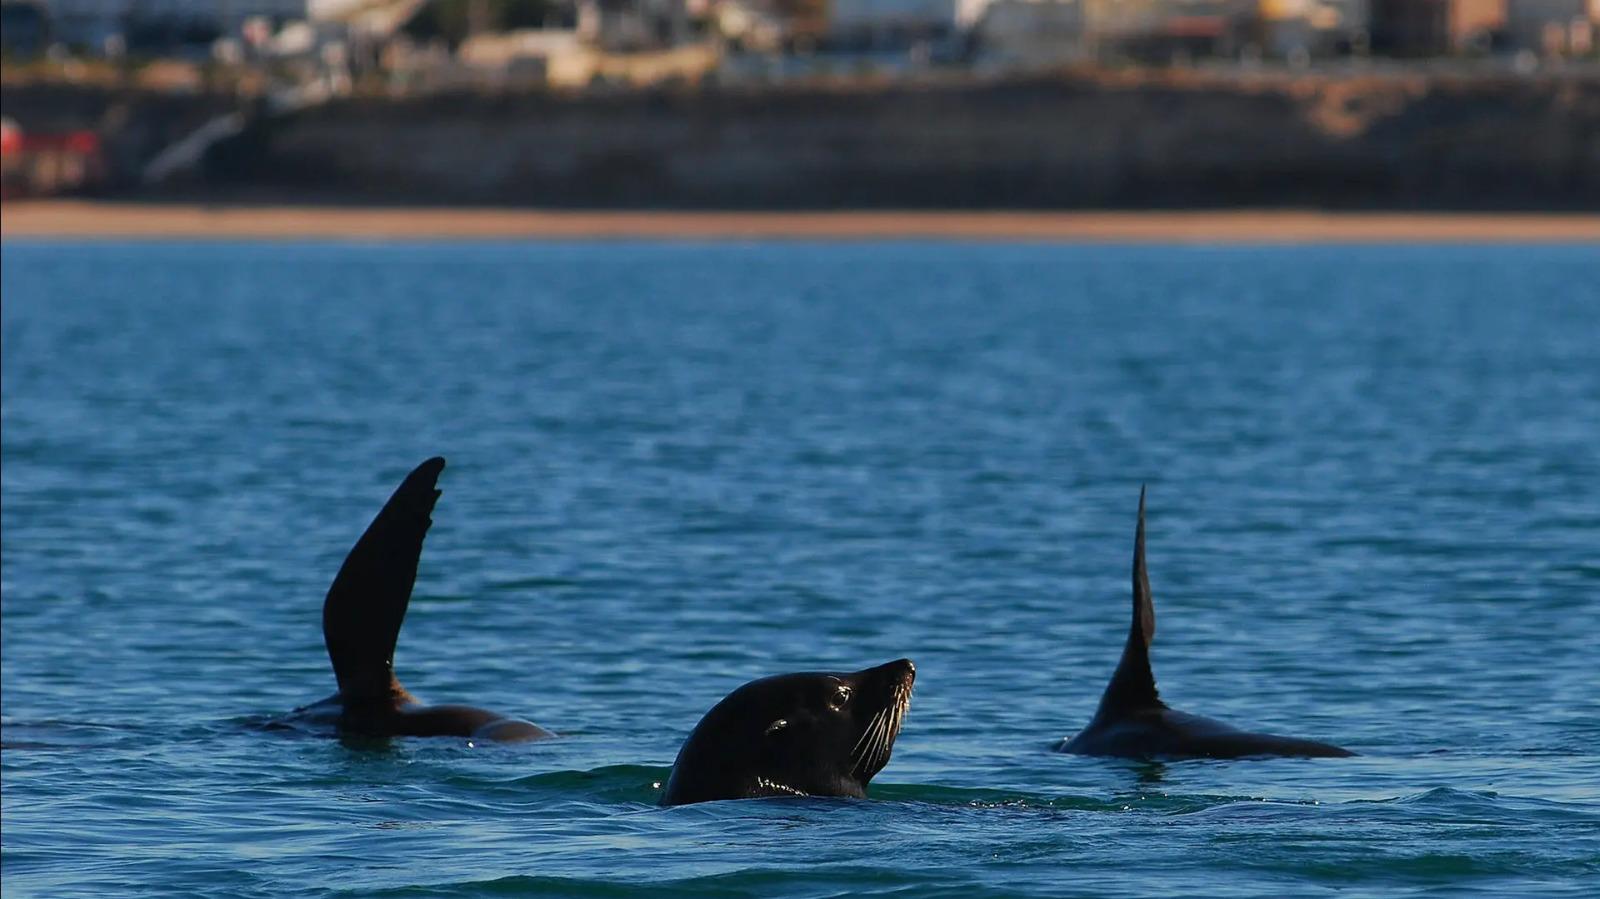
[{"x": 101, "y": 220}]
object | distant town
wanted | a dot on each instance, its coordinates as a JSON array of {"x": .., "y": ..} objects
[
  {"x": 249, "y": 68},
  {"x": 418, "y": 45}
]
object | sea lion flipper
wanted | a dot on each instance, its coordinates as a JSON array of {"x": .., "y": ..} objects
[
  {"x": 1134, "y": 684},
  {"x": 366, "y": 605},
  {"x": 1144, "y": 610},
  {"x": 1133, "y": 722}
]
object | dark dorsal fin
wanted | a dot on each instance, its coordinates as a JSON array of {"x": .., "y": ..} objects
[
  {"x": 1133, "y": 686},
  {"x": 365, "y": 606}
]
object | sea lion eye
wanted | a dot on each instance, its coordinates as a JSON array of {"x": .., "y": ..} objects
[
  {"x": 840, "y": 697},
  {"x": 776, "y": 726}
]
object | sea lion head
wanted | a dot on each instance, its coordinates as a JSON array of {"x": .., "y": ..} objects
[{"x": 805, "y": 734}]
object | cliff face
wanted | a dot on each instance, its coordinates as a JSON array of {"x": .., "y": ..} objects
[
  {"x": 1378, "y": 142},
  {"x": 1404, "y": 141}
]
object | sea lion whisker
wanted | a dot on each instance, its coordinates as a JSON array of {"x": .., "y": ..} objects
[
  {"x": 870, "y": 725},
  {"x": 868, "y": 757},
  {"x": 892, "y": 732},
  {"x": 884, "y": 742},
  {"x": 864, "y": 760},
  {"x": 877, "y": 732}
]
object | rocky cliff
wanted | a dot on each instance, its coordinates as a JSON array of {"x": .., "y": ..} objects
[{"x": 1074, "y": 140}]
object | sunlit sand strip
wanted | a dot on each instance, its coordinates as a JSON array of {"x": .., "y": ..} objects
[{"x": 83, "y": 219}]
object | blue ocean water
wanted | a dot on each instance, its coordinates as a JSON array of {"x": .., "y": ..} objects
[{"x": 1374, "y": 519}]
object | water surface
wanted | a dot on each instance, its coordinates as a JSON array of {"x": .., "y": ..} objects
[{"x": 1374, "y": 513}]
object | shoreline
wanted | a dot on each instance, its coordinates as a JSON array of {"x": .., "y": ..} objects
[{"x": 84, "y": 219}]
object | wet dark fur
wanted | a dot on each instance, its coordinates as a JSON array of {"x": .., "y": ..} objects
[{"x": 808, "y": 734}]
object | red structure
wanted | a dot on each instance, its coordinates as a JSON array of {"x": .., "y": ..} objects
[{"x": 37, "y": 165}]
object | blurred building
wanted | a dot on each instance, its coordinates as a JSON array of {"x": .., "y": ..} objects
[
  {"x": 581, "y": 43},
  {"x": 561, "y": 58},
  {"x": 527, "y": 57},
  {"x": 799, "y": 39},
  {"x": 24, "y": 26},
  {"x": 1027, "y": 33},
  {"x": 891, "y": 23},
  {"x": 764, "y": 27},
  {"x": 1435, "y": 27},
  {"x": 93, "y": 23},
  {"x": 1553, "y": 27},
  {"x": 1299, "y": 30},
  {"x": 631, "y": 25},
  {"x": 1161, "y": 30}
]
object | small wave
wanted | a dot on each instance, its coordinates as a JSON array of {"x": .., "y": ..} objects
[
  {"x": 64, "y": 735},
  {"x": 540, "y": 583},
  {"x": 612, "y": 783},
  {"x": 1448, "y": 796},
  {"x": 971, "y": 797},
  {"x": 852, "y": 880}
]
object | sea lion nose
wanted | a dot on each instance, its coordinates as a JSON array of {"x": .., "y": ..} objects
[{"x": 906, "y": 668}]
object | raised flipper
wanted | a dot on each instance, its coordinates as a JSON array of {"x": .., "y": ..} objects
[
  {"x": 367, "y": 603},
  {"x": 1133, "y": 722},
  {"x": 1133, "y": 686}
]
